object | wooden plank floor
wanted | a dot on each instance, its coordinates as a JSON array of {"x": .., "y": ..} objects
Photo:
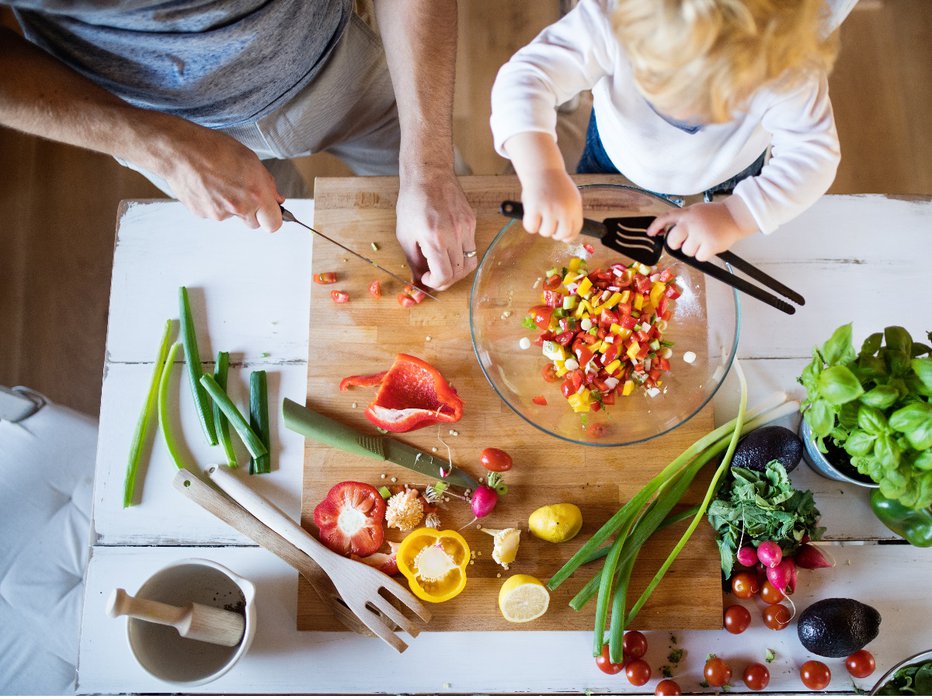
[{"x": 59, "y": 203}]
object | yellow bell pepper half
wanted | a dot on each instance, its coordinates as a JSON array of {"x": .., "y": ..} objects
[{"x": 434, "y": 563}]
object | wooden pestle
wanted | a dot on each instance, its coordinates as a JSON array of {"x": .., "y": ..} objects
[{"x": 195, "y": 621}]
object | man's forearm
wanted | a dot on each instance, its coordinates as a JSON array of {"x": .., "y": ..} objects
[
  {"x": 420, "y": 45},
  {"x": 41, "y": 96}
]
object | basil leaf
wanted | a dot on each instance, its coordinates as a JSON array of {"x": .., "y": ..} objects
[
  {"x": 810, "y": 376},
  {"x": 838, "y": 385},
  {"x": 859, "y": 443},
  {"x": 880, "y": 397},
  {"x": 820, "y": 417},
  {"x": 898, "y": 338},
  {"x": 915, "y": 421},
  {"x": 838, "y": 348},
  {"x": 923, "y": 460},
  {"x": 871, "y": 344},
  {"x": 886, "y": 451},
  {"x": 871, "y": 420},
  {"x": 923, "y": 369}
]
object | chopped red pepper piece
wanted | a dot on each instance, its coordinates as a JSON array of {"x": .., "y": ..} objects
[{"x": 412, "y": 395}]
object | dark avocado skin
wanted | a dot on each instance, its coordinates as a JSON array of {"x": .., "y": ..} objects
[
  {"x": 837, "y": 627},
  {"x": 765, "y": 444}
]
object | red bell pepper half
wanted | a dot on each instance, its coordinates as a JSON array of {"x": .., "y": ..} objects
[
  {"x": 412, "y": 394},
  {"x": 350, "y": 519}
]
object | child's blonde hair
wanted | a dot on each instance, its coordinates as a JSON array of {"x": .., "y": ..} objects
[{"x": 705, "y": 58}]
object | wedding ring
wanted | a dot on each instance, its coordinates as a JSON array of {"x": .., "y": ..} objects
[{"x": 469, "y": 253}]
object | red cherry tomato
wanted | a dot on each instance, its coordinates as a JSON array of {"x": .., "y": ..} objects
[
  {"x": 549, "y": 372},
  {"x": 756, "y": 676},
  {"x": 375, "y": 289},
  {"x": 667, "y": 688},
  {"x": 770, "y": 594},
  {"x": 638, "y": 672},
  {"x": 325, "y": 278},
  {"x": 634, "y": 644},
  {"x": 860, "y": 664},
  {"x": 776, "y": 617},
  {"x": 737, "y": 619},
  {"x": 744, "y": 585},
  {"x": 495, "y": 459},
  {"x": 605, "y": 664},
  {"x": 339, "y": 296},
  {"x": 815, "y": 675},
  {"x": 716, "y": 671},
  {"x": 542, "y": 316}
]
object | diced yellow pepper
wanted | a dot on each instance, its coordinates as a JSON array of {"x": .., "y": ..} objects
[
  {"x": 584, "y": 288},
  {"x": 633, "y": 350},
  {"x": 638, "y": 302},
  {"x": 574, "y": 264},
  {"x": 580, "y": 401},
  {"x": 562, "y": 371},
  {"x": 643, "y": 269},
  {"x": 604, "y": 346},
  {"x": 613, "y": 300},
  {"x": 616, "y": 329},
  {"x": 628, "y": 388},
  {"x": 583, "y": 309},
  {"x": 613, "y": 366},
  {"x": 656, "y": 293},
  {"x": 625, "y": 296},
  {"x": 624, "y": 334}
]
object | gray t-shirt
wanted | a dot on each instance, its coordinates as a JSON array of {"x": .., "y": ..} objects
[{"x": 218, "y": 63}]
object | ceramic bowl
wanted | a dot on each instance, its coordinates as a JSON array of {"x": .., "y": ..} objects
[
  {"x": 818, "y": 462},
  {"x": 705, "y": 321},
  {"x": 162, "y": 652}
]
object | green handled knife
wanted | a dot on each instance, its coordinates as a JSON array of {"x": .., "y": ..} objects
[{"x": 328, "y": 431}]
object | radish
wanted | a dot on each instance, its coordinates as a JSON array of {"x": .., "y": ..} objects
[
  {"x": 747, "y": 556},
  {"x": 810, "y": 556},
  {"x": 483, "y": 501},
  {"x": 783, "y": 576},
  {"x": 769, "y": 553}
]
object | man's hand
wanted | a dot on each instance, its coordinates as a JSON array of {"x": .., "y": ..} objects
[
  {"x": 217, "y": 177},
  {"x": 704, "y": 230},
  {"x": 436, "y": 227}
]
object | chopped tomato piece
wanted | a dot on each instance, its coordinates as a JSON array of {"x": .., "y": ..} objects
[
  {"x": 549, "y": 372},
  {"x": 542, "y": 316},
  {"x": 325, "y": 278},
  {"x": 553, "y": 282},
  {"x": 339, "y": 296},
  {"x": 405, "y": 300},
  {"x": 539, "y": 400},
  {"x": 375, "y": 289}
]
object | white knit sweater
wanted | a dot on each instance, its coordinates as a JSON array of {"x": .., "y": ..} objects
[{"x": 580, "y": 52}]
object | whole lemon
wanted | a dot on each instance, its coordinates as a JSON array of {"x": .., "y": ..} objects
[{"x": 555, "y": 523}]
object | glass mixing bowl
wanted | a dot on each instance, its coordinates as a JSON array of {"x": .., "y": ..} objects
[{"x": 705, "y": 321}]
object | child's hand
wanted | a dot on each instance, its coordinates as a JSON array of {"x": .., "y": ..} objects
[
  {"x": 552, "y": 205},
  {"x": 704, "y": 230}
]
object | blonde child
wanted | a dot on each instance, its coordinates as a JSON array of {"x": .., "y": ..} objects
[{"x": 688, "y": 96}]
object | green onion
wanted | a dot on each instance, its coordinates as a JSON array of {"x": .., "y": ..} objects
[
  {"x": 385, "y": 492},
  {"x": 528, "y": 322},
  {"x": 193, "y": 358},
  {"x": 605, "y": 591},
  {"x": 170, "y": 441},
  {"x": 259, "y": 420},
  {"x": 141, "y": 435},
  {"x": 221, "y": 373},
  {"x": 617, "y": 628},
  {"x": 252, "y": 441}
]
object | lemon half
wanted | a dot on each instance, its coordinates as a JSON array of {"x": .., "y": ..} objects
[{"x": 523, "y": 598}]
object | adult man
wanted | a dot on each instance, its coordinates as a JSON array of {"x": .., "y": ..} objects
[{"x": 193, "y": 93}]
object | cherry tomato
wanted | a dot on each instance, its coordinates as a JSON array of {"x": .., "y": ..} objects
[
  {"x": 542, "y": 316},
  {"x": 638, "y": 672},
  {"x": 815, "y": 675},
  {"x": 776, "y": 617},
  {"x": 770, "y": 594},
  {"x": 375, "y": 289},
  {"x": 667, "y": 688},
  {"x": 553, "y": 282},
  {"x": 756, "y": 676},
  {"x": 325, "y": 278},
  {"x": 716, "y": 671},
  {"x": 405, "y": 301},
  {"x": 860, "y": 664},
  {"x": 549, "y": 372},
  {"x": 737, "y": 619},
  {"x": 339, "y": 296},
  {"x": 539, "y": 400},
  {"x": 744, "y": 585},
  {"x": 598, "y": 429},
  {"x": 634, "y": 644},
  {"x": 495, "y": 459},
  {"x": 605, "y": 664}
]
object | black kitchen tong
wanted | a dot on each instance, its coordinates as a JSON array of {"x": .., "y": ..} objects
[{"x": 628, "y": 236}]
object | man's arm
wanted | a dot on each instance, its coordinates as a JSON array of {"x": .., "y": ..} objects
[
  {"x": 436, "y": 225},
  {"x": 211, "y": 173}
]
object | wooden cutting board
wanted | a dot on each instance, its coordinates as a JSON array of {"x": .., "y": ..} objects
[{"x": 363, "y": 336}]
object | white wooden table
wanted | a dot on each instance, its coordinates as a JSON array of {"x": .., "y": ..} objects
[{"x": 861, "y": 258}]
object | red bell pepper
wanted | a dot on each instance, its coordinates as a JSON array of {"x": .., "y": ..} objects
[
  {"x": 412, "y": 394},
  {"x": 350, "y": 519}
]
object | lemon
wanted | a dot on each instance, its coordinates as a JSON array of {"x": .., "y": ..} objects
[
  {"x": 523, "y": 598},
  {"x": 555, "y": 523}
]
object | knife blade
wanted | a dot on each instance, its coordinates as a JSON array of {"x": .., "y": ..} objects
[
  {"x": 326, "y": 430},
  {"x": 289, "y": 217}
]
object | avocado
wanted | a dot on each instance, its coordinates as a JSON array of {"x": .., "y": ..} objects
[
  {"x": 837, "y": 627},
  {"x": 766, "y": 444}
]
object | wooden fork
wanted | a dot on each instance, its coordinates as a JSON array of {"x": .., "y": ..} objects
[
  {"x": 230, "y": 512},
  {"x": 360, "y": 586}
]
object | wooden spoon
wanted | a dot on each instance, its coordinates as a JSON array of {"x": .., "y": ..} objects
[{"x": 195, "y": 621}]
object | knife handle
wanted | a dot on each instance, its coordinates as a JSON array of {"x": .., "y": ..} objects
[
  {"x": 328, "y": 431},
  {"x": 514, "y": 209}
]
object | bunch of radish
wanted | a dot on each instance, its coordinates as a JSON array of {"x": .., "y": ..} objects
[{"x": 779, "y": 568}]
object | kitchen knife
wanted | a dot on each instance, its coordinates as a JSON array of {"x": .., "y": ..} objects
[
  {"x": 335, "y": 434},
  {"x": 289, "y": 217}
]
